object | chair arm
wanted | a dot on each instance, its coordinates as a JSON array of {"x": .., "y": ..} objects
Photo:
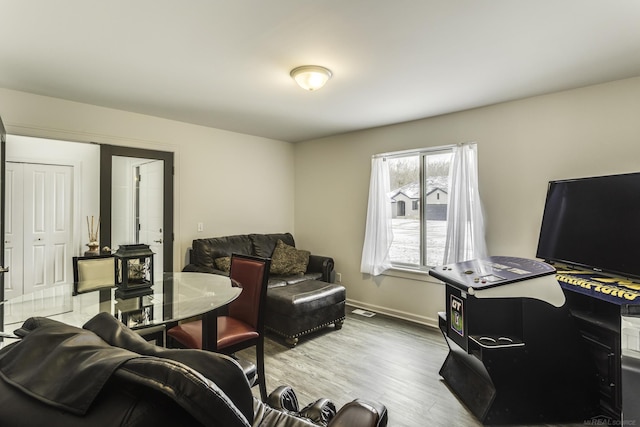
[
  {"x": 360, "y": 413},
  {"x": 322, "y": 264}
]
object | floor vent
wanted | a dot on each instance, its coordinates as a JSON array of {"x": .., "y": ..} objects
[{"x": 364, "y": 313}]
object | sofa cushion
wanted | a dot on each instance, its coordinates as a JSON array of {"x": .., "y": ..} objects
[
  {"x": 264, "y": 244},
  {"x": 288, "y": 260},
  {"x": 223, "y": 263},
  {"x": 280, "y": 280},
  {"x": 276, "y": 281},
  {"x": 205, "y": 251}
]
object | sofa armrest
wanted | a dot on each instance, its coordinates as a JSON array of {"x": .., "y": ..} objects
[
  {"x": 322, "y": 264},
  {"x": 203, "y": 269}
]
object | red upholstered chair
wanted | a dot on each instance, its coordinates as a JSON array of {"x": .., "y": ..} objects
[{"x": 243, "y": 327}]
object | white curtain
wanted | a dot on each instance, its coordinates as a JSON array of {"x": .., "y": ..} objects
[
  {"x": 465, "y": 222},
  {"x": 378, "y": 233}
]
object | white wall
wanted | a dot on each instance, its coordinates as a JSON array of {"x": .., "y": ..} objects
[
  {"x": 522, "y": 145},
  {"x": 231, "y": 182}
]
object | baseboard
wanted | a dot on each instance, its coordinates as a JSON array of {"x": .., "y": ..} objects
[{"x": 423, "y": 320}]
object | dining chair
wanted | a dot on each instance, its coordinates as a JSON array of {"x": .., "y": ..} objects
[
  {"x": 92, "y": 273},
  {"x": 243, "y": 326}
]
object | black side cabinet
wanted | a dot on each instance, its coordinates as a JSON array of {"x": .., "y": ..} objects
[
  {"x": 599, "y": 304},
  {"x": 599, "y": 325}
]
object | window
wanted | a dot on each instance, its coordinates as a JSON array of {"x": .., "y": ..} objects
[
  {"x": 419, "y": 235},
  {"x": 449, "y": 225}
]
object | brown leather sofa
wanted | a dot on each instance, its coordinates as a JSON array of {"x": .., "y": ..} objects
[
  {"x": 297, "y": 303},
  {"x": 107, "y": 375},
  {"x": 204, "y": 252}
]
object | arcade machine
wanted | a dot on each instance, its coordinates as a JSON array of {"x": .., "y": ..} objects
[{"x": 514, "y": 352}]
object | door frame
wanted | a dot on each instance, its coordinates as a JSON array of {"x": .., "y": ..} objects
[
  {"x": 3, "y": 156},
  {"x": 106, "y": 154}
]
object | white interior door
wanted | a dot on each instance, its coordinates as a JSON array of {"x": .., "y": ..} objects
[
  {"x": 150, "y": 202},
  {"x": 47, "y": 226},
  {"x": 13, "y": 230}
]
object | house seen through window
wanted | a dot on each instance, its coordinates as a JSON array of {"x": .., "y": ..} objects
[{"x": 419, "y": 200}]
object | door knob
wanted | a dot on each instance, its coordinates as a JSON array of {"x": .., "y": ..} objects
[
  {"x": 4, "y": 269},
  {"x": 158, "y": 241}
]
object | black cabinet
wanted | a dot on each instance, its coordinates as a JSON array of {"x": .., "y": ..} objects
[
  {"x": 603, "y": 344},
  {"x": 598, "y": 304}
]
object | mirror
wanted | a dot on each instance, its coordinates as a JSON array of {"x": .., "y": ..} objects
[
  {"x": 136, "y": 205},
  {"x": 136, "y": 201}
]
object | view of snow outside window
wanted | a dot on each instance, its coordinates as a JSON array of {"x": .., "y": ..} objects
[{"x": 406, "y": 197}]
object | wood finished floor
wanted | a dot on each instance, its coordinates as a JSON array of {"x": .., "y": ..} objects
[{"x": 379, "y": 358}]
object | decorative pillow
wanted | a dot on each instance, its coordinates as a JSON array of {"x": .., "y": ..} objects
[
  {"x": 223, "y": 263},
  {"x": 288, "y": 260}
]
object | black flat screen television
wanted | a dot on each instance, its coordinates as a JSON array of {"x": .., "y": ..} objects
[{"x": 593, "y": 223}]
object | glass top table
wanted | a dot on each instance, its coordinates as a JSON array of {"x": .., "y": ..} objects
[{"x": 176, "y": 297}]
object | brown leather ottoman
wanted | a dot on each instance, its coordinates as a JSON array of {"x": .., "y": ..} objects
[{"x": 296, "y": 309}]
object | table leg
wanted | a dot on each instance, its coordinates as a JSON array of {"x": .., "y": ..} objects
[{"x": 210, "y": 330}]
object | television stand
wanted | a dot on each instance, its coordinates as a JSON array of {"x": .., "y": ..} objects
[{"x": 607, "y": 313}]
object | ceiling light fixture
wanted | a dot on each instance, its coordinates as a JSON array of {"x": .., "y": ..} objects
[{"x": 311, "y": 77}]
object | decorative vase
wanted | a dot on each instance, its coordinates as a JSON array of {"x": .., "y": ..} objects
[{"x": 94, "y": 249}]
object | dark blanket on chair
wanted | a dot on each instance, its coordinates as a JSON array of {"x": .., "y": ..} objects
[{"x": 67, "y": 368}]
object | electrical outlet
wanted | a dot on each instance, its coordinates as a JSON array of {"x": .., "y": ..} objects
[
  {"x": 339, "y": 277},
  {"x": 200, "y": 226}
]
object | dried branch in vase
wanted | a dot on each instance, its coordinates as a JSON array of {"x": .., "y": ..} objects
[{"x": 94, "y": 229}]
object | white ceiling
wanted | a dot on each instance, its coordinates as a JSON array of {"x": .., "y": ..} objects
[{"x": 226, "y": 63}]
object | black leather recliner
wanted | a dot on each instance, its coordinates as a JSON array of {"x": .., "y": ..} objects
[{"x": 107, "y": 375}]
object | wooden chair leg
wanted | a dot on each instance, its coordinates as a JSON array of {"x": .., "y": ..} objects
[{"x": 262, "y": 381}]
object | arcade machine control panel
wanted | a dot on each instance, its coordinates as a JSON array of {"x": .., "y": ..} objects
[{"x": 480, "y": 274}]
